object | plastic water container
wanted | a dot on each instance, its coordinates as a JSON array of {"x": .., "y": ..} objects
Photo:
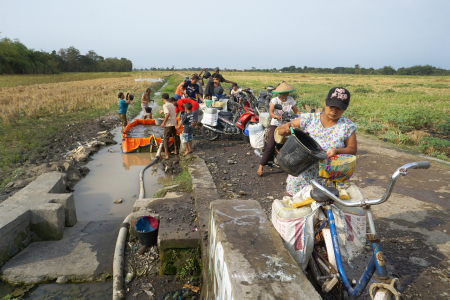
[
  {"x": 286, "y": 211},
  {"x": 264, "y": 119},
  {"x": 210, "y": 116},
  {"x": 355, "y": 195},
  {"x": 256, "y": 134}
]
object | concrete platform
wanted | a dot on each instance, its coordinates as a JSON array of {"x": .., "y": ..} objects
[
  {"x": 247, "y": 259},
  {"x": 177, "y": 213},
  {"x": 40, "y": 211},
  {"x": 83, "y": 254}
]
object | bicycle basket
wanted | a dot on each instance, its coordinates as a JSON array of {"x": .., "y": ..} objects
[{"x": 299, "y": 153}]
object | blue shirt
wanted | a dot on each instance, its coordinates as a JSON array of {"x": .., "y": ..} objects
[{"x": 123, "y": 106}]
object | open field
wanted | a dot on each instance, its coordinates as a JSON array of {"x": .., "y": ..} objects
[
  {"x": 410, "y": 111},
  {"x": 33, "y": 116}
]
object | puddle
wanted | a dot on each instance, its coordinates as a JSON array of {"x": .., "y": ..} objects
[
  {"x": 149, "y": 79},
  {"x": 115, "y": 175}
]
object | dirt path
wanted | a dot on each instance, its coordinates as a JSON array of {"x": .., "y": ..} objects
[{"x": 414, "y": 224}]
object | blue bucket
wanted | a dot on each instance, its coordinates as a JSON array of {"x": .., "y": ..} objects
[{"x": 147, "y": 230}]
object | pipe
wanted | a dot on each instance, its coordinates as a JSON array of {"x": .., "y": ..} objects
[
  {"x": 141, "y": 174},
  {"x": 119, "y": 252}
]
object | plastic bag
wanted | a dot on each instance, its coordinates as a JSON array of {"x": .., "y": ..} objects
[
  {"x": 297, "y": 235},
  {"x": 257, "y": 140},
  {"x": 351, "y": 231}
]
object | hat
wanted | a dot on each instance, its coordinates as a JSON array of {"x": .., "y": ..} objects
[
  {"x": 338, "y": 96},
  {"x": 284, "y": 87},
  {"x": 186, "y": 78},
  {"x": 216, "y": 69}
]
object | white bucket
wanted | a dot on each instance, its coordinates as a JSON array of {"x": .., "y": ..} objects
[{"x": 210, "y": 116}]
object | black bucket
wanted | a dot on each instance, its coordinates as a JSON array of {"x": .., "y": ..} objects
[
  {"x": 299, "y": 153},
  {"x": 206, "y": 74},
  {"x": 147, "y": 230}
]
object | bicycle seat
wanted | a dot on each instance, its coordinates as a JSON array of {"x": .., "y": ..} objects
[
  {"x": 225, "y": 114},
  {"x": 320, "y": 196}
]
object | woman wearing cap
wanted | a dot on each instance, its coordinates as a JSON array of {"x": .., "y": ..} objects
[
  {"x": 288, "y": 104},
  {"x": 336, "y": 134}
]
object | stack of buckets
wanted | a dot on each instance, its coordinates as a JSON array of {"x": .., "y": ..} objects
[{"x": 147, "y": 230}]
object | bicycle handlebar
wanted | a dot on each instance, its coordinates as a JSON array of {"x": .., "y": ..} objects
[{"x": 403, "y": 170}]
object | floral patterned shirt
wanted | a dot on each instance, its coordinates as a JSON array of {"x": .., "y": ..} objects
[{"x": 329, "y": 138}]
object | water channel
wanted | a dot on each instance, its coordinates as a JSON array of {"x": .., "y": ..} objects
[{"x": 112, "y": 175}]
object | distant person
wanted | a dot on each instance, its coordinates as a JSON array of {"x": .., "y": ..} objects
[
  {"x": 169, "y": 123},
  {"x": 123, "y": 107},
  {"x": 180, "y": 90},
  {"x": 192, "y": 90},
  {"x": 188, "y": 130},
  {"x": 145, "y": 100},
  {"x": 235, "y": 92},
  {"x": 180, "y": 107},
  {"x": 209, "y": 89}
]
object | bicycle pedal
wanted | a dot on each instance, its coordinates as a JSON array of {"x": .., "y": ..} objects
[{"x": 329, "y": 284}]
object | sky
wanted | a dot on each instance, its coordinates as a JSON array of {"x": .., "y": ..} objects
[{"x": 239, "y": 34}]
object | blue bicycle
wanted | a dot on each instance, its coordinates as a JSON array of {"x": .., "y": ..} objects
[{"x": 327, "y": 268}]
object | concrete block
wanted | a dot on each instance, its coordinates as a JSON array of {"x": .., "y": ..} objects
[
  {"x": 83, "y": 254},
  {"x": 41, "y": 206},
  {"x": 47, "y": 221},
  {"x": 247, "y": 259},
  {"x": 201, "y": 178}
]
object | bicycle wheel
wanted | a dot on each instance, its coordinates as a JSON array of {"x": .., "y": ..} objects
[{"x": 319, "y": 269}]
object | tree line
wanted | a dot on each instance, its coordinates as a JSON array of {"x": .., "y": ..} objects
[
  {"x": 16, "y": 58},
  {"x": 386, "y": 70}
]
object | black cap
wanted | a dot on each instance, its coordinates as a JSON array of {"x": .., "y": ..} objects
[{"x": 338, "y": 96}]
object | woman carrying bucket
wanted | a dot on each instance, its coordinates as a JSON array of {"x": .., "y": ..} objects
[
  {"x": 288, "y": 104},
  {"x": 334, "y": 133}
]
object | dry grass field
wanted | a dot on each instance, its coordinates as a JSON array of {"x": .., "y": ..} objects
[
  {"x": 31, "y": 114},
  {"x": 410, "y": 111}
]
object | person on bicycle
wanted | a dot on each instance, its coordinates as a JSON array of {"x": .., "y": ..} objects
[
  {"x": 333, "y": 132},
  {"x": 288, "y": 104}
]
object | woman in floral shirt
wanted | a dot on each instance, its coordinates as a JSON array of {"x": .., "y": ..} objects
[{"x": 336, "y": 134}]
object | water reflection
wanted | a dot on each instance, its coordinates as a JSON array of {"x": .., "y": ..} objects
[{"x": 115, "y": 175}]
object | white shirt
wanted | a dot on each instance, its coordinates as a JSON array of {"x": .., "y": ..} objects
[
  {"x": 235, "y": 92},
  {"x": 287, "y": 107}
]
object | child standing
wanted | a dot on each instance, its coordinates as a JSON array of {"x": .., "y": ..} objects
[
  {"x": 123, "y": 107},
  {"x": 188, "y": 130},
  {"x": 169, "y": 123}
]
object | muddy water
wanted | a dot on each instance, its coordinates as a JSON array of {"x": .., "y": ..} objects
[{"x": 115, "y": 175}]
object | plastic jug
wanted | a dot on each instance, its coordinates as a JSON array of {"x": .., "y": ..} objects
[
  {"x": 286, "y": 211},
  {"x": 264, "y": 119},
  {"x": 255, "y": 128},
  {"x": 354, "y": 195},
  {"x": 256, "y": 135}
]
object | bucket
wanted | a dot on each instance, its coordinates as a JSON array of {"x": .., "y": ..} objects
[
  {"x": 147, "y": 230},
  {"x": 208, "y": 102},
  {"x": 299, "y": 153},
  {"x": 158, "y": 121},
  {"x": 264, "y": 119},
  {"x": 210, "y": 116}
]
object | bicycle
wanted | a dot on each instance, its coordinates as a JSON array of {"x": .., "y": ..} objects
[{"x": 327, "y": 267}]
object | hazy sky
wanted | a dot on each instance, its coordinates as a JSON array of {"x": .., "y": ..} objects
[{"x": 239, "y": 34}]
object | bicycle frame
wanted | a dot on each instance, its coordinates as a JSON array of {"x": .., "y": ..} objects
[{"x": 376, "y": 262}]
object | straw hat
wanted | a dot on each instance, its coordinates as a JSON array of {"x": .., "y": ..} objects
[{"x": 283, "y": 87}]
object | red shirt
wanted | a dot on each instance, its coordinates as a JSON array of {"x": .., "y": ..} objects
[{"x": 184, "y": 101}]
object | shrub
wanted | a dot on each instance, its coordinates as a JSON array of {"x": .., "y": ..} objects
[
  {"x": 389, "y": 91},
  {"x": 444, "y": 127},
  {"x": 363, "y": 90}
]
